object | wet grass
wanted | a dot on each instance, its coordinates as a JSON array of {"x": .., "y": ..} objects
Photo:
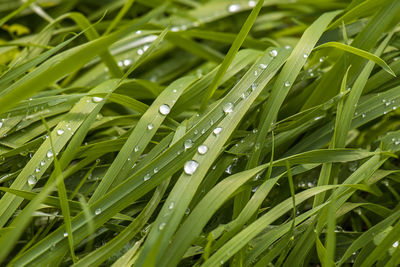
[{"x": 199, "y": 133}]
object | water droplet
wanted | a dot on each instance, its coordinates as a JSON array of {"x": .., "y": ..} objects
[
  {"x": 136, "y": 149},
  {"x": 203, "y": 131},
  {"x": 164, "y": 109},
  {"x": 50, "y": 154},
  {"x": 321, "y": 59},
  {"x": 161, "y": 226},
  {"x": 147, "y": 177},
  {"x": 305, "y": 55},
  {"x": 127, "y": 62},
  {"x": 175, "y": 29},
  {"x": 202, "y": 149},
  {"x": 97, "y": 99},
  {"x": 37, "y": 169},
  {"x": 227, "y": 108},
  {"x": 150, "y": 126},
  {"x": 42, "y": 163},
  {"x": 243, "y": 96},
  {"x": 287, "y": 47},
  {"x": 65, "y": 234},
  {"x": 363, "y": 115},
  {"x": 395, "y": 244},
  {"x": 287, "y": 84},
  {"x": 138, "y": 32},
  {"x": 155, "y": 170},
  {"x": 187, "y": 211},
  {"x": 234, "y": 8},
  {"x": 188, "y": 144},
  {"x": 1, "y": 124},
  {"x": 171, "y": 205},
  {"x": 174, "y": 91},
  {"x": 255, "y": 131},
  {"x": 273, "y": 53},
  {"x": 217, "y": 131},
  {"x": 190, "y": 167},
  {"x": 140, "y": 52},
  {"x": 318, "y": 118},
  {"x": 255, "y": 73},
  {"x": 228, "y": 170},
  {"x": 394, "y": 108},
  {"x": 253, "y": 86},
  {"x": 263, "y": 66},
  {"x": 251, "y": 3},
  {"x": 196, "y": 131},
  {"x": 97, "y": 211},
  {"x": 32, "y": 180},
  {"x": 60, "y": 131}
]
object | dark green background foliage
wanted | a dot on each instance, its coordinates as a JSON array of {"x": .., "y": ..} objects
[{"x": 199, "y": 133}]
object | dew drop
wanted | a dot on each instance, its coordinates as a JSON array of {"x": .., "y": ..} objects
[
  {"x": 127, "y": 62},
  {"x": 147, "y": 177},
  {"x": 140, "y": 52},
  {"x": 251, "y": 3},
  {"x": 150, "y": 126},
  {"x": 363, "y": 115},
  {"x": 202, "y": 149},
  {"x": 97, "y": 99},
  {"x": 65, "y": 234},
  {"x": 174, "y": 91},
  {"x": 263, "y": 66},
  {"x": 50, "y": 154},
  {"x": 253, "y": 86},
  {"x": 255, "y": 73},
  {"x": 190, "y": 167},
  {"x": 136, "y": 149},
  {"x": 196, "y": 132},
  {"x": 234, "y": 8},
  {"x": 188, "y": 144},
  {"x": 60, "y": 131},
  {"x": 155, "y": 170},
  {"x": 138, "y": 32},
  {"x": 42, "y": 163},
  {"x": 273, "y": 53},
  {"x": 227, "y": 108},
  {"x": 171, "y": 205},
  {"x": 37, "y": 169},
  {"x": 203, "y": 131},
  {"x": 32, "y": 180},
  {"x": 228, "y": 170},
  {"x": 395, "y": 244},
  {"x": 97, "y": 211},
  {"x": 217, "y": 131},
  {"x": 287, "y": 84},
  {"x": 1, "y": 124},
  {"x": 243, "y": 96},
  {"x": 305, "y": 55},
  {"x": 287, "y": 47},
  {"x": 161, "y": 226},
  {"x": 187, "y": 211},
  {"x": 164, "y": 109}
]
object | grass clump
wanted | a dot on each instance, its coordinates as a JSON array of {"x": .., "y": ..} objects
[{"x": 199, "y": 133}]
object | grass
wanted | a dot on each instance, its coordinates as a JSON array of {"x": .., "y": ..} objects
[{"x": 199, "y": 133}]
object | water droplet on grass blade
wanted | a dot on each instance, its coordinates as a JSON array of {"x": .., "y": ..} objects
[
  {"x": 234, "y": 8},
  {"x": 150, "y": 126},
  {"x": 217, "y": 131},
  {"x": 188, "y": 144},
  {"x": 60, "y": 131},
  {"x": 164, "y": 109},
  {"x": 251, "y": 3},
  {"x": 227, "y": 108},
  {"x": 287, "y": 84},
  {"x": 190, "y": 167},
  {"x": 97, "y": 211},
  {"x": 171, "y": 205},
  {"x": 161, "y": 226},
  {"x": 32, "y": 180},
  {"x": 202, "y": 149},
  {"x": 50, "y": 154},
  {"x": 97, "y": 99},
  {"x": 147, "y": 177},
  {"x": 273, "y": 53}
]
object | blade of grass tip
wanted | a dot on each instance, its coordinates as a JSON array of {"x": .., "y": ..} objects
[
  {"x": 280, "y": 90},
  {"x": 119, "y": 16},
  {"x": 237, "y": 43},
  {"x": 359, "y": 52},
  {"x": 62, "y": 194}
]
